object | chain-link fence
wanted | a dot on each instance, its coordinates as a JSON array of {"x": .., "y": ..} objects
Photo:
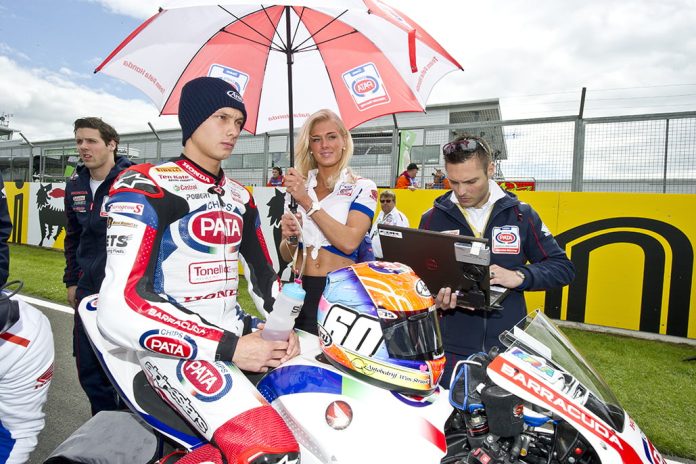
[{"x": 644, "y": 153}]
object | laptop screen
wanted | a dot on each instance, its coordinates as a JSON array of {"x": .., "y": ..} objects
[{"x": 435, "y": 259}]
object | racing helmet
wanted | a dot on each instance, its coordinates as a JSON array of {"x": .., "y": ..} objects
[{"x": 377, "y": 321}]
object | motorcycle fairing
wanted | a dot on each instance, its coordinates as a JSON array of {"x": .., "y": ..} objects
[
  {"x": 530, "y": 369},
  {"x": 305, "y": 392}
]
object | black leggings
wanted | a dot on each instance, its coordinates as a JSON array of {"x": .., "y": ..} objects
[{"x": 307, "y": 319}]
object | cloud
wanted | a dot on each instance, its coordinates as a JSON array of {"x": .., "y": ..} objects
[
  {"x": 70, "y": 74},
  {"x": 517, "y": 51},
  {"x": 535, "y": 55},
  {"x": 7, "y": 50},
  {"x": 45, "y": 104},
  {"x": 141, "y": 9}
]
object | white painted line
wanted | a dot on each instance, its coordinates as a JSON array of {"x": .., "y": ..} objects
[{"x": 48, "y": 304}]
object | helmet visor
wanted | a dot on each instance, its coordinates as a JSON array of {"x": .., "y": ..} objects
[{"x": 416, "y": 336}]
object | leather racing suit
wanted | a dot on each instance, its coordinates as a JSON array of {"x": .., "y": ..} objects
[
  {"x": 26, "y": 369},
  {"x": 175, "y": 236}
]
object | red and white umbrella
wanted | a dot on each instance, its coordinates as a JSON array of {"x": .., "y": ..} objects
[{"x": 361, "y": 58}]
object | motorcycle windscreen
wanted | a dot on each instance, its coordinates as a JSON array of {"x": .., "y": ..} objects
[
  {"x": 416, "y": 336},
  {"x": 539, "y": 337}
]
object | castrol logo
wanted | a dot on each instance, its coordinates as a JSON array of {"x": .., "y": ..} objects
[
  {"x": 217, "y": 228},
  {"x": 205, "y": 380}
]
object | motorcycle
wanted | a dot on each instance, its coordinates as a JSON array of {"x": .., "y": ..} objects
[
  {"x": 536, "y": 401},
  {"x": 539, "y": 401}
]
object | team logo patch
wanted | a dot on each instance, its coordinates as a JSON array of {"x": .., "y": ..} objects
[
  {"x": 205, "y": 380},
  {"x": 534, "y": 362},
  {"x": 345, "y": 190},
  {"x": 422, "y": 289},
  {"x": 134, "y": 180},
  {"x": 169, "y": 342},
  {"x": 168, "y": 391},
  {"x": 651, "y": 452},
  {"x": 92, "y": 304},
  {"x": 339, "y": 415},
  {"x": 385, "y": 314},
  {"x": 169, "y": 169},
  {"x": 282, "y": 458},
  {"x": 324, "y": 336},
  {"x": 366, "y": 86},
  {"x": 213, "y": 271},
  {"x": 238, "y": 79},
  {"x": 102, "y": 209},
  {"x": 45, "y": 378},
  {"x": 126, "y": 208},
  {"x": 216, "y": 228},
  {"x": 506, "y": 240}
]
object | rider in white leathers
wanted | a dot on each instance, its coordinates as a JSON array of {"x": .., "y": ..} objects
[
  {"x": 176, "y": 235},
  {"x": 26, "y": 369}
]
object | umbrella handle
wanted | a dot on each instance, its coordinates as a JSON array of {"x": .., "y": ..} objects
[{"x": 292, "y": 240}]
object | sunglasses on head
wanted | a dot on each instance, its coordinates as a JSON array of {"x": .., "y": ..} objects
[{"x": 463, "y": 146}]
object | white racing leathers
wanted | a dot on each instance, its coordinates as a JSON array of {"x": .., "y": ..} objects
[
  {"x": 175, "y": 237},
  {"x": 26, "y": 369}
]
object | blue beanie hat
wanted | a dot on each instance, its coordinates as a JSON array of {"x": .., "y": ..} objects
[{"x": 203, "y": 96}]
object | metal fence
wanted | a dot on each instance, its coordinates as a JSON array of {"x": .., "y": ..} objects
[{"x": 643, "y": 153}]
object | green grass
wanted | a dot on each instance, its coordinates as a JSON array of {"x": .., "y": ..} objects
[
  {"x": 653, "y": 383},
  {"x": 650, "y": 379},
  {"x": 41, "y": 270}
]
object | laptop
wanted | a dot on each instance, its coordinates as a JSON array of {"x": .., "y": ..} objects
[{"x": 445, "y": 260}]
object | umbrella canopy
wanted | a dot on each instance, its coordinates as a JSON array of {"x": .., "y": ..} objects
[{"x": 360, "y": 58}]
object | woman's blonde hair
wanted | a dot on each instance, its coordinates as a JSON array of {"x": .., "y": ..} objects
[{"x": 305, "y": 162}]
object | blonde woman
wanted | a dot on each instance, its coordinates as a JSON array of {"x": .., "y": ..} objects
[{"x": 335, "y": 207}]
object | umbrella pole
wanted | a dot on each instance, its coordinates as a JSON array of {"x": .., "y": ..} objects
[
  {"x": 288, "y": 53},
  {"x": 291, "y": 122}
]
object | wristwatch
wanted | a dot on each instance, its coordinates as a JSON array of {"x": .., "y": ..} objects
[{"x": 315, "y": 207}]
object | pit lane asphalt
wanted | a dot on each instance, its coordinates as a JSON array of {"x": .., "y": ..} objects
[{"x": 67, "y": 407}]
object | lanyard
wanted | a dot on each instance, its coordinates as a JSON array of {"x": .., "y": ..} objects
[{"x": 477, "y": 233}]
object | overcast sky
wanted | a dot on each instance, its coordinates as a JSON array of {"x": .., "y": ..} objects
[{"x": 634, "y": 56}]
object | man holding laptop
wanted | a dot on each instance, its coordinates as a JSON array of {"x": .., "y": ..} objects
[{"x": 524, "y": 254}]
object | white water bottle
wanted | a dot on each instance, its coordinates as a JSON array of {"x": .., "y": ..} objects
[{"x": 285, "y": 309}]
